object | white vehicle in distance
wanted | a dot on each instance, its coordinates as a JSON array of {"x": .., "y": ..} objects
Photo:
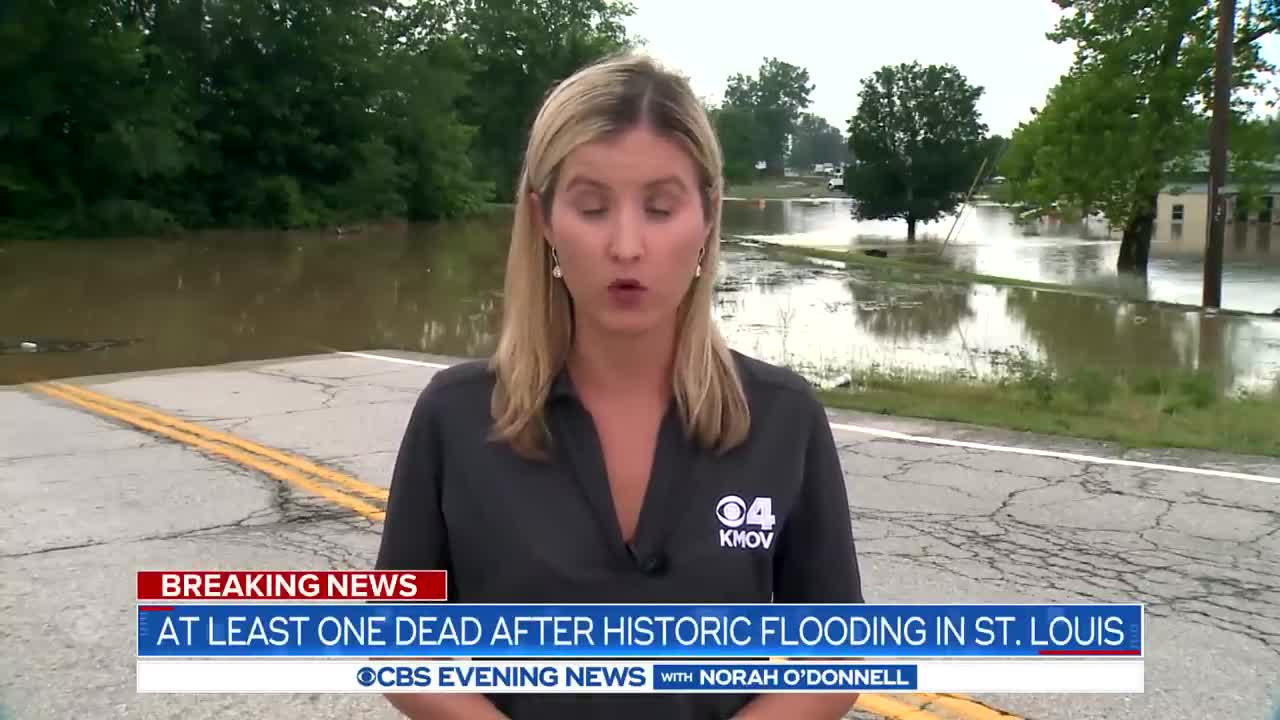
[{"x": 835, "y": 183}]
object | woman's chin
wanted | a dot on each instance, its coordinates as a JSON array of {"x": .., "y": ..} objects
[{"x": 631, "y": 323}]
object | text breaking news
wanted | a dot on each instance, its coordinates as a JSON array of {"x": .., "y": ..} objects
[{"x": 378, "y": 632}]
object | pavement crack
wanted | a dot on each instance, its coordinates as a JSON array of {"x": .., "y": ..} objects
[
  {"x": 1003, "y": 509},
  {"x": 1158, "y": 521},
  {"x": 1224, "y": 591},
  {"x": 897, "y": 477},
  {"x": 330, "y": 389},
  {"x": 234, "y": 425},
  {"x": 56, "y": 548},
  {"x": 147, "y": 442},
  {"x": 1266, "y": 535},
  {"x": 1203, "y": 498},
  {"x": 176, "y": 535}
]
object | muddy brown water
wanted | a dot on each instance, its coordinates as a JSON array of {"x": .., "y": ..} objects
[{"x": 74, "y": 308}]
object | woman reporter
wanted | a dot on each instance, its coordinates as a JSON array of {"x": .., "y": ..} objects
[{"x": 614, "y": 449}]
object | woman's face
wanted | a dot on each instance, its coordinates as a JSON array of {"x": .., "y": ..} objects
[{"x": 627, "y": 224}]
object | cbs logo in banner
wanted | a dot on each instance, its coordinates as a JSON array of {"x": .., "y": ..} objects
[{"x": 394, "y": 676}]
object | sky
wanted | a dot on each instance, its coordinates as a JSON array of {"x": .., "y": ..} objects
[{"x": 999, "y": 45}]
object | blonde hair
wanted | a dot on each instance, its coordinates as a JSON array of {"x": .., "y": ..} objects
[{"x": 612, "y": 95}]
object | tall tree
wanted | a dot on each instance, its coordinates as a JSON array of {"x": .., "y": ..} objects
[
  {"x": 431, "y": 71},
  {"x": 814, "y": 141},
  {"x": 1126, "y": 115},
  {"x": 142, "y": 115},
  {"x": 81, "y": 126},
  {"x": 916, "y": 141},
  {"x": 775, "y": 96},
  {"x": 993, "y": 149},
  {"x": 739, "y": 139},
  {"x": 519, "y": 49}
]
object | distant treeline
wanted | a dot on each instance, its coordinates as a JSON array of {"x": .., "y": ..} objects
[
  {"x": 142, "y": 116},
  {"x": 146, "y": 115}
]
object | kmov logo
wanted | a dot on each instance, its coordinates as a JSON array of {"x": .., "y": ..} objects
[{"x": 737, "y": 520}]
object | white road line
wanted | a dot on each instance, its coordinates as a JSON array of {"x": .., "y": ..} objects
[
  {"x": 1092, "y": 459},
  {"x": 402, "y": 361},
  {"x": 894, "y": 435}
]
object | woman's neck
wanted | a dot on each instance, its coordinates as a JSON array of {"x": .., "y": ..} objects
[{"x": 608, "y": 363}]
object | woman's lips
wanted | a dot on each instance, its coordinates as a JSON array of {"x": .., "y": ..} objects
[{"x": 627, "y": 292}]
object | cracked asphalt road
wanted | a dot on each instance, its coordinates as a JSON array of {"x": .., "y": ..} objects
[{"x": 88, "y": 501}]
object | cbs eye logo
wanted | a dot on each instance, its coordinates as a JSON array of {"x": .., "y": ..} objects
[
  {"x": 394, "y": 676},
  {"x": 733, "y": 512}
]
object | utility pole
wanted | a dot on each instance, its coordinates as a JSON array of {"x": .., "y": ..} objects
[{"x": 1218, "y": 155}]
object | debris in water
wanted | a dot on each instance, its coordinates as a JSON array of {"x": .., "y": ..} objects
[{"x": 59, "y": 345}]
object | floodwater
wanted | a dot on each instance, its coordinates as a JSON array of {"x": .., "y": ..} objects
[
  {"x": 76, "y": 308},
  {"x": 983, "y": 239}
]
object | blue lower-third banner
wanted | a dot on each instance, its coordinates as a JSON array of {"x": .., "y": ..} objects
[
  {"x": 775, "y": 677},
  {"x": 674, "y": 632}
]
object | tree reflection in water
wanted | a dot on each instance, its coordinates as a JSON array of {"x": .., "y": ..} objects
[{"x": 902, "y": 312}]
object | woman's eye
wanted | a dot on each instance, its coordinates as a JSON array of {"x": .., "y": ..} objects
[
  {"x": 592, "y": 212},
  {"x": 659, "y": 212}
]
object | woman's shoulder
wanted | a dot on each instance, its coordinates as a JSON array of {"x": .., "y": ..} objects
[
  {"x": 462, "y": 384},
  {"x": 764, "y": 378},
  {"x": 462, "y": 374}
]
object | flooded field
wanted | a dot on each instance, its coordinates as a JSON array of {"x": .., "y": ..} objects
[{"x": 74, "y": 308}]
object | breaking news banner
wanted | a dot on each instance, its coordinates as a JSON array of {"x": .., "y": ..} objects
[
  {"x": 317, "y": 631},
  {"x": 418, "y": 586}
]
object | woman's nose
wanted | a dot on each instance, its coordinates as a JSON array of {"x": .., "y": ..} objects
[{"x": 627, "y": 241}]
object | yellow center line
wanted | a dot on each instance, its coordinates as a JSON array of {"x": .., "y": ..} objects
[
  {"x": 274, "y": 470},
  {"x": 892, "y": 709},
  {"x": 971, "y": 709},
  {"x": 359, "y": 486},
  {"x": 286, "y": 467}
]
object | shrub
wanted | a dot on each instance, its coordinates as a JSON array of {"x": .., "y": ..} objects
[{"x": 1093, "y": 386}]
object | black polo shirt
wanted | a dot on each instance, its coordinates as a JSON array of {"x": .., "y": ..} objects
[{"x": 765, "y": 522}]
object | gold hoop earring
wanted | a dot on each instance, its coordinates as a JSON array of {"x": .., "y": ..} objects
[
  {"x": 556, "y": 272},
  {"x": 697, "y": 271}
]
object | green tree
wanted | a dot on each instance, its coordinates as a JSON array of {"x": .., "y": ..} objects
[
  {"x": 81, "y": 128},
  {"x": 141, "y": 115},
  {"x": 1129, "y": 113},
  {"x": 775, "y": 96},
  {"x": 739, "y": 137},
  {"x": 518, "y": 50},
  {"x": 816, "y": 141},
  {"x": 916, "y": 141},
  {"x": 993, "y": 149},
  {"x": 432, "y": 69}
]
